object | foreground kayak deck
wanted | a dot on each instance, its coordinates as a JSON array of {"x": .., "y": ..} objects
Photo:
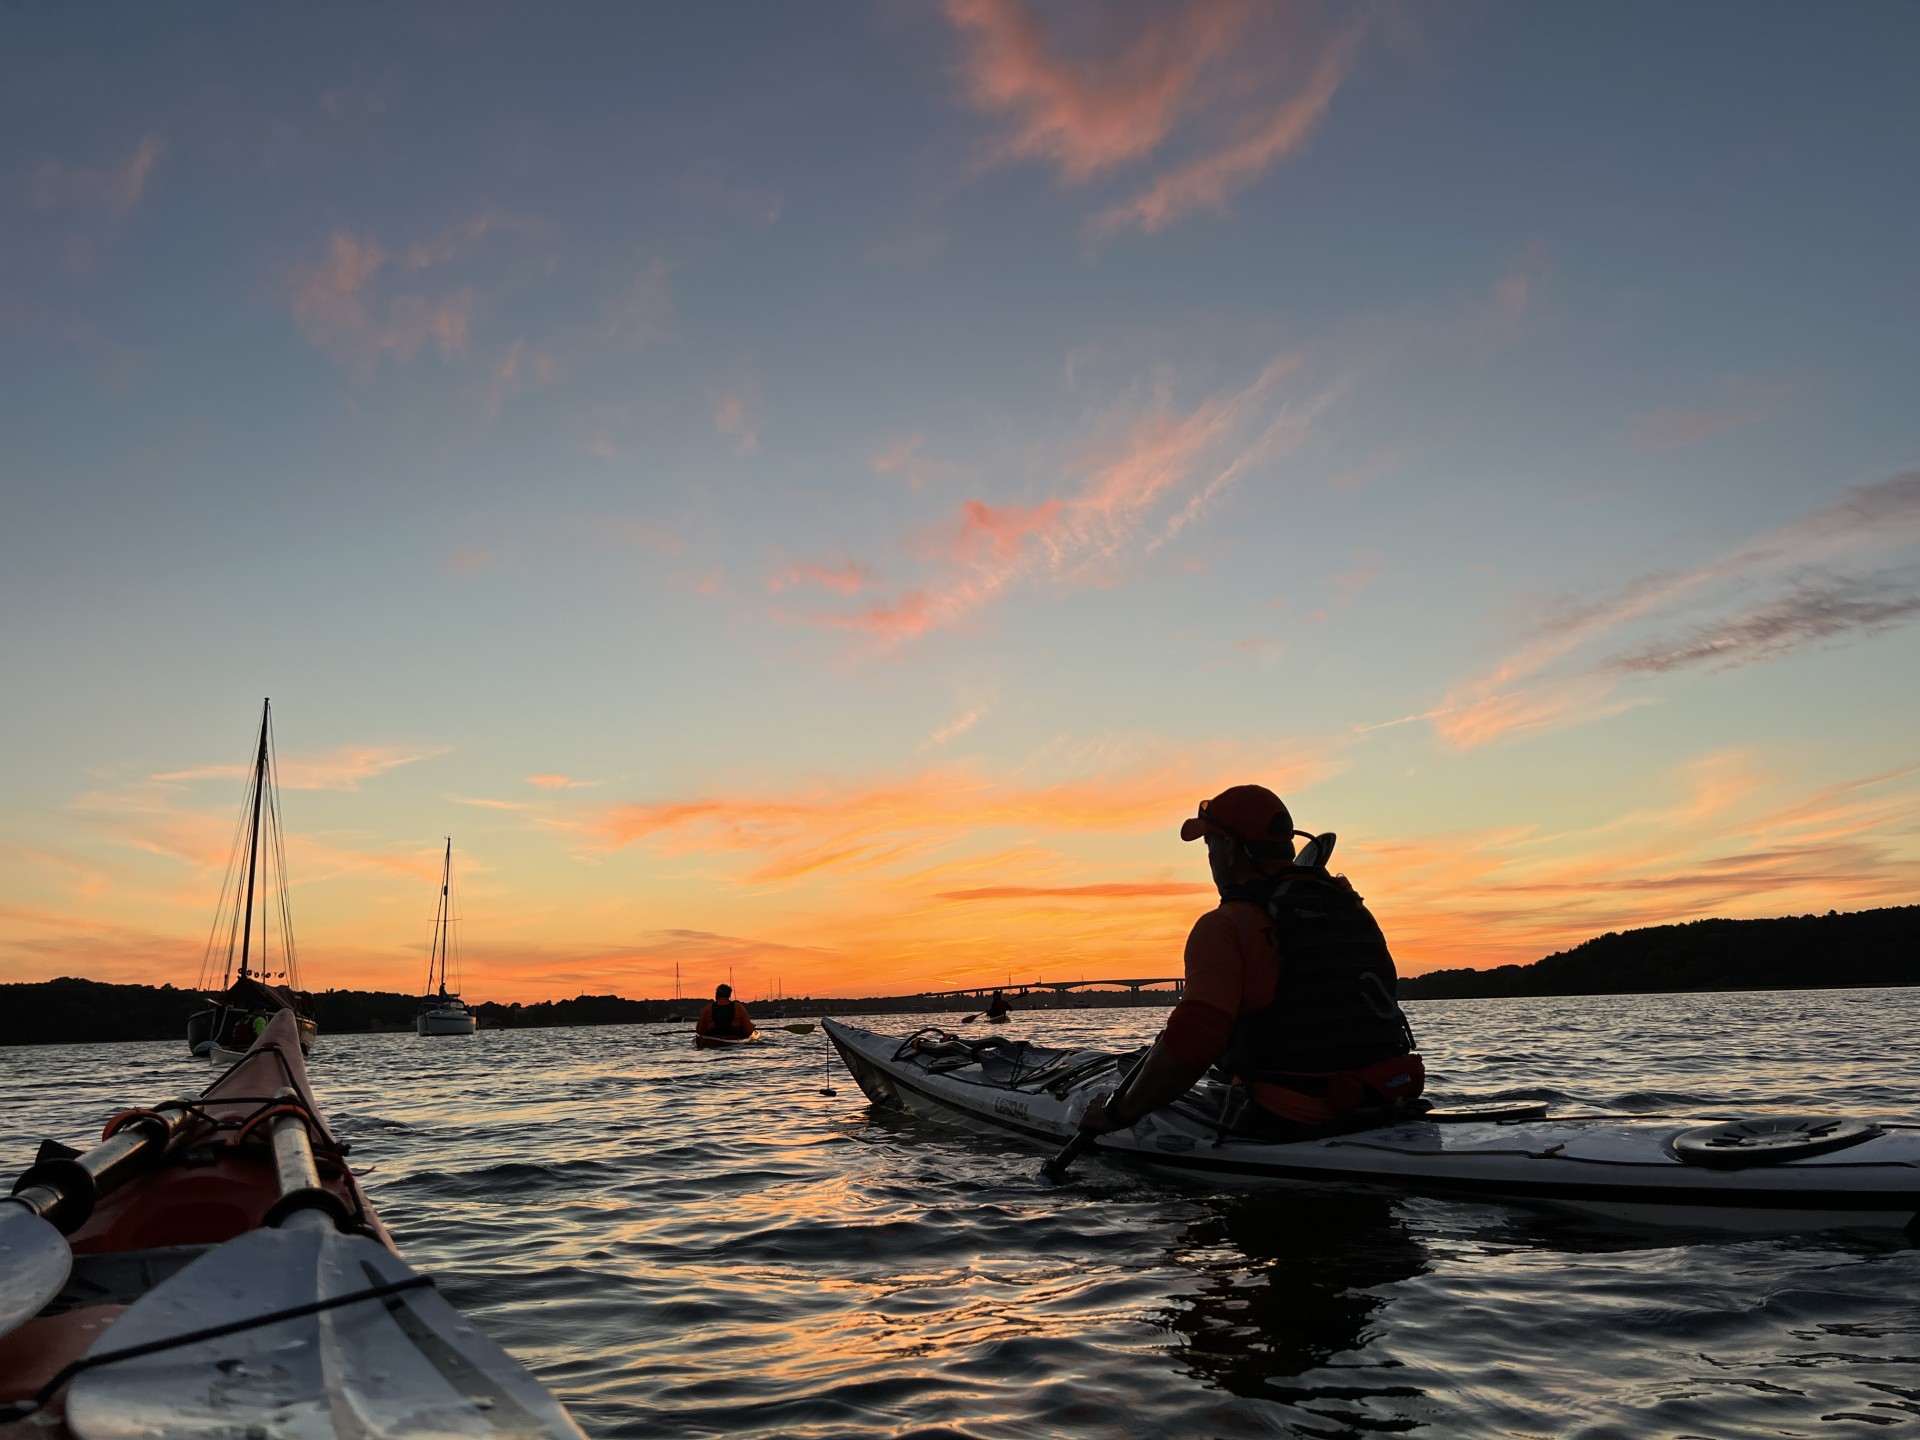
[
  {"x": 216, "y": 1270},
  {"x": 1622, "y": 1168}
]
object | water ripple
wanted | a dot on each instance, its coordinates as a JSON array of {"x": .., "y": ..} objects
[{"x": 702, "y": 1244}]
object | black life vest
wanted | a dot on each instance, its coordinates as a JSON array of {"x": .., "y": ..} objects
[
  {"x": 1333, "y": 1006},
  {"x": 725, "y": 1018}
]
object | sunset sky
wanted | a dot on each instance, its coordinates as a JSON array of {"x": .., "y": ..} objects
[{"x": 824, "y": 489}]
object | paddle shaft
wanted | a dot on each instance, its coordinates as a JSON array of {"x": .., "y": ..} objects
[{"x": 1055, "y": 1170}]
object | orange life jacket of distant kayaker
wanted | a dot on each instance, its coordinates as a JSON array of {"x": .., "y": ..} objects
[{"x": 723, "y": 1017}]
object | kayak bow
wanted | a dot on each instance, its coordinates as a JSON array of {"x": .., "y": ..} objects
[{"x": 229, "y": 1277}]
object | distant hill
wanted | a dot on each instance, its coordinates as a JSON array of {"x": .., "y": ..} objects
[{"x": 1796, "y": 952}]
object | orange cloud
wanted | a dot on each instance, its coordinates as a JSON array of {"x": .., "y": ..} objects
[
  {"x": 115, "y": 190},
  {"x": 1112, "y": 891},
  {"x": 856, "y": 824},
  {"x": 1087, "y": 115},
  {"x": 1207, "y": 182},
  {"x": 560, "y": 782}
]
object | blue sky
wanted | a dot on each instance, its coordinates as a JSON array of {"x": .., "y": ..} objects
[{"x": 878, "y": 465}]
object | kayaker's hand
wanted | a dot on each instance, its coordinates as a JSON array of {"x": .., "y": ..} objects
[{"x": 1097, "y": 1118}]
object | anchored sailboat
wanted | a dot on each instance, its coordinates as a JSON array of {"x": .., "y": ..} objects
[
  {"x": 442, "y": 1013},
  {"x": 247, "y": 1000}
]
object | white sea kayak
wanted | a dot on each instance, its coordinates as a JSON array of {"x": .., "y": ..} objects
[{"x": 1762, "y": 1173}]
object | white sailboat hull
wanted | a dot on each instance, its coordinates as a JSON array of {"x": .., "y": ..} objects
[{"x": 445, "y": 1020}]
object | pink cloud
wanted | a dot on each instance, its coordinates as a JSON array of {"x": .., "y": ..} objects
[
  {"x": 1092, "y": 113},
  {"x": 1672, "y": 429},
  {"x": 1207, "y": 182},
  {"x": 116, "y": 189},
  {"x": 1136, "y": 488},
  {"x": 848, "y": 579},
  {"x": 334, "y": 305}
]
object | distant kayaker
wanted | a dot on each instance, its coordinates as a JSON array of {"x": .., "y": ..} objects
[
  {"x": 998, "y": 1007},
  {"x": 725, "y": 1018},
  {"x": 1289, "y": 987}
]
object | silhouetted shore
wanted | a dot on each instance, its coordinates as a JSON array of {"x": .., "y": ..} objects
[{"x": 1813, "y": 952}]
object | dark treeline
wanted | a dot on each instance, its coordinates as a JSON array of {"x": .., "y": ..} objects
[
  {"x": 1797, "y": 952},
  {"x": 67, "y": 1010},
  {"x": 1870, "y": 947}
]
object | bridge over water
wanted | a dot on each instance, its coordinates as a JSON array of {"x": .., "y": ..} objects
[{"x": 1061, "y": 987}]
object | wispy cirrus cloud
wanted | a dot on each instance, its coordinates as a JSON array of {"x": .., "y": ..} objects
[
  {"x": 1149, "y": 472},
  {"x": 560, "y": 782},
  {"x": 1103, "y": 89},
  {"x": 1822, "y": 577},
  {"x": 1208, "y": 182},
  {"x": 113, "y": 189},
  {"x": 342, "y": 768}
]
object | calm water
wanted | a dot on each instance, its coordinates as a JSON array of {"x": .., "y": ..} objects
[{"x": 686, "y": 1243}]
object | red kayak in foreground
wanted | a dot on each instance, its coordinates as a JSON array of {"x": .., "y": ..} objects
[{"x": 212, "y": 1268}]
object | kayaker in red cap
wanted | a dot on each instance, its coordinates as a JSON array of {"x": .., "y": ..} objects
[
  {"x": 724, "y": 1017},
  {"x": 1289, "y": 987}
]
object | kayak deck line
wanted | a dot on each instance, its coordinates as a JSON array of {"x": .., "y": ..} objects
[
  {"x": 91, "y": 1361},
  {"x": 1622, "y": 1166}
]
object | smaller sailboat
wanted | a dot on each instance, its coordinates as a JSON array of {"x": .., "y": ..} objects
[
  {"x": 441, "y": 1012},
  {"x": 234, "y": 1016}
]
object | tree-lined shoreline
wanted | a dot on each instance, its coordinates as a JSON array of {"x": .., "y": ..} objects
[{"x": 1815, "y": 952}]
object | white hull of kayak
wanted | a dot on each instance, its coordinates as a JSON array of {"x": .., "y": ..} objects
[
  {"x": 445, "y": 1020},
  {"x": 1621, "y": 1168},
  {"x": 220, "y": 1055}
]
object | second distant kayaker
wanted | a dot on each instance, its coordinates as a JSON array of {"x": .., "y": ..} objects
[
  {"x": 1289, "y": 987},
  {"x": 725, "y": 1018}
]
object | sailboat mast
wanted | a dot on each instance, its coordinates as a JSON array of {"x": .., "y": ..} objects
[
  {"x": 446, "y": 880},
  {"x": 253, "y": 842}
]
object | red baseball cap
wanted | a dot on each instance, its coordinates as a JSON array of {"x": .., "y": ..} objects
[{"x": 1246, "y": 812}]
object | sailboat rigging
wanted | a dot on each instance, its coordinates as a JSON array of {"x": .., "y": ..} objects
[
  {"x": 246, "y": 1000},
  {"x": 441, "y": 1012}
]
